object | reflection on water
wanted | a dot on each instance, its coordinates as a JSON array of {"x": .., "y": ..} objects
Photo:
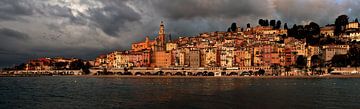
[{"x": 82, "y": 92}]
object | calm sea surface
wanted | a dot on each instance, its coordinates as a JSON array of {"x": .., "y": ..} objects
[{"x": 177, "y": 93}]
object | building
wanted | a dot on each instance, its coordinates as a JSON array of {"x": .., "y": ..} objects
[
  {"x": 354, "y": 36},
  {"x": 329, "y": 51},
  {"x": 327, "y": 31},
  {"x": 352, "y": 26},
  {"x": 155, "y": 45},
  {"x": 194, "y": 58},
  {"x": 209, "y": 59},
  {"x": 312, "y": 50},
  {"x": 227, "y": 56},
  {"x": 100, "y": 61},
  {"x": 161, "y": 59},
  {"x": 243, "y": 57},
  {"x": 171, "y": 46}
]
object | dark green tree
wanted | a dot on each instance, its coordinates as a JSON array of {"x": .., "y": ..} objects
[
  {"x": 275, "y": 69},
  {"x": 233, "y": 27},
  {"x": 340, "y": 24},
  {"x": 273, "y": 23},
  {"x": 261, "y": 72},
  {"x": 285, "y": 26},
  {"x": 86, "y": 68},
  {"x": 248, "y": 25},
  {"x": 287, "y": 70},
  {"x": 354, "y": 55},
  {"x": 262, "y": 22},
  {"x": 300, "y": 61},
  {"x": 278, "y": 25},
  {"x": 340, "y": 61},
  {"x": 266, "y": 23}
]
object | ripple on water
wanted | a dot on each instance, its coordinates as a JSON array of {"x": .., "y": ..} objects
[{"x": 80, "y": 92}]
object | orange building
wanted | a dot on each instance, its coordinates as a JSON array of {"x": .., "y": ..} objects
[{"x": 161, "y": 59}]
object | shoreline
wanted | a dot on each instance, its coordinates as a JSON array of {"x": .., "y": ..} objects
[{"x": 196, "y": 77}]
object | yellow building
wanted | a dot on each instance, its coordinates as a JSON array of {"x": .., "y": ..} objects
[
  {"x": 210, "y": 57},
  {"x": 352, "y": 25},
  {"x": 327, "y": 31},
  {"x": 171, "y": 46}
]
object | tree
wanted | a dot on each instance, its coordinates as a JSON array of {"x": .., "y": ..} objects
[
  {"x": 340, "y": 24},
  {"x": 76, "y": 65},
  {"x": 233, "y": 27},
  {"x": 20, "y": 67},
  {"x": 261, "y": 72},
  {"x": 312, "y": 33},
  {"x": 86, "y": 68},
  {"x": 262, "y": 22},
  {"x": 278, "y": 25},
  {"x": 301, "y": 62},
  {"x": 315, "y": 60},
  {"x": 339, "y": 61},
  {"x": 356, "y": 20},
  {"x": 285, "y": 26},
  {"x": 272, "y": 23},
  {"x": 248, "y": 25},
  {"x": 275, "y": 69},
  {"x": 313, "y": 28},
  {"x": 354, "y": 56},
  {"x": 266, "y": 22},
  {"x": 287, "y": 70},
  {"x": 293, "y": 32}
]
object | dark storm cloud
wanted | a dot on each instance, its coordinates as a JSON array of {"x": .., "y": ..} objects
[
  {"x": 6, "y": 33},
  {"x": 113, "y": 16},
  {"x": 188, "y": 9},
  {"x": 12, "y": 9}
]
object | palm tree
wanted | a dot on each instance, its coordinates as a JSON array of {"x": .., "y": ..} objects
[
  {"x": 287, "y": 70},
  {"x": 275, "y": 69},
  {"x": 312, "y": 68}
]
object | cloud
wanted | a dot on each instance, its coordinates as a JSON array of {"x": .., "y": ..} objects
[
  {"x": 9, "y": 33},
  {"x": 12, "y": 9},
  {"x": 188, "y": 9},
  {"x": 112, "y": 17}
]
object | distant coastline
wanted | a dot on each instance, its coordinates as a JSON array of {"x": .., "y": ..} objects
[{"x": 190, "y": 77}]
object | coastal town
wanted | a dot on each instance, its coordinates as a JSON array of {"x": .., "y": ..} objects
[{"x": 267, "y": 48}]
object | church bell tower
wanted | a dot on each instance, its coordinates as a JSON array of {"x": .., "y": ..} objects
[{"x": 161, "y": 38}]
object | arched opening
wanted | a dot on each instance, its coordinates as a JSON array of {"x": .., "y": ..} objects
[
  {"x": 159, "y": 73},
  {"x": 245, "y": 73},
  {"x": 109, "y": 73},
  {"x": 147, "y": 73},
  {"x": 127, "y": 73},
  {"x": 205, "y": 73},
  {"x": 223, "y": 73},
  {"x": 138, "y": 74},
  {"x": 199, "y": 74},
  {"x": 178, "y": 74},
  {"x": 168, "y": 74},
  {"x": 211, "y": 74},
  {"x": 190, "y": 74},
  {"x": 251, "y": 72},
  {"x": 233, "y": 74},
  {"x": 119, "y": 73}
]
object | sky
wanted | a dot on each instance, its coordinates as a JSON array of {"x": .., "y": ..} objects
[{"x": 84, "y": 29}]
